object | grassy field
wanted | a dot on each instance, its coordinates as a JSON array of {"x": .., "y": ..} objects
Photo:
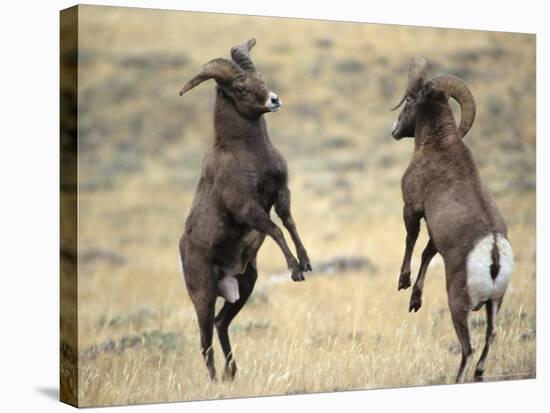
[{"x": 140, "y": 149}]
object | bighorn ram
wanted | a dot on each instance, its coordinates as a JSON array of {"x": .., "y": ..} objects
[
  {"x": 243, "y": 176},
  {"x": 443, "y": 186}
]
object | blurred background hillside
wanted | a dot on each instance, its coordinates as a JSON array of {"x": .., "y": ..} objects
[{"x": 140, "y": 149}]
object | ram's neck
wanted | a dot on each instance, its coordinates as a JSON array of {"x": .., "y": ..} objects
[
  {"x": 435, "y": 126},
  {"x": 234, "y": 130}
]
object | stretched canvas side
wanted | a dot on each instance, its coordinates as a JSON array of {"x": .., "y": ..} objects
[{"x": 68, "y": 357}]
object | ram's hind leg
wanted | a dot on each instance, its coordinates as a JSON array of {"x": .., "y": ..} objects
[
  {"x": 460, "y": 313},
  {"x": 491, "y": 308},
  {"x": 247, "y": 280},
  {"x": 201, "y": 286}
]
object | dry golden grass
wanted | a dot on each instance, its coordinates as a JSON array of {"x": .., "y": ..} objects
[{"x": 140, "y": 152}]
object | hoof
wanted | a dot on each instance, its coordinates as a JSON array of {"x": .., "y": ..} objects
[
  {"x": 230, "y": 372},
  {"x": 298, "y": 276},
  {"x": 304, "y": 260},
  {"x": 416, "y": 301},
  {"x": 404, "y": 281},
  {"x": 478, "y": 375}
]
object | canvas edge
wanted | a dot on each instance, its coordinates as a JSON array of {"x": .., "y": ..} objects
[{"x": 68, "y": 183}]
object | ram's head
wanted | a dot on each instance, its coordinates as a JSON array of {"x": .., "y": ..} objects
[
  {"x": 421, "y": 91},
  {"x": 239, "y": 80}
]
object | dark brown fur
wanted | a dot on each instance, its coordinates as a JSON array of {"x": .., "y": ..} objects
[
  {"x": 443, "y": 186},
  {"x": 243, "y": 176}
]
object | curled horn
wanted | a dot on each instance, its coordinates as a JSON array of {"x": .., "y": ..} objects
[
  {"x": 241, "y": 55},
  {"x": 457, "y": 89},
  {"x": 418, "y": 70},
  {"x": 222, "y": 70}
]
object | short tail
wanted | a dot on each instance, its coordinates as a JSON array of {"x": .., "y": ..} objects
[{"x": 495, "y": 258}]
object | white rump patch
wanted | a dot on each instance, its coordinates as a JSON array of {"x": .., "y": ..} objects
[
  {"x": 228, "y": 288},
  {"x": 481, "y": 286}
]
